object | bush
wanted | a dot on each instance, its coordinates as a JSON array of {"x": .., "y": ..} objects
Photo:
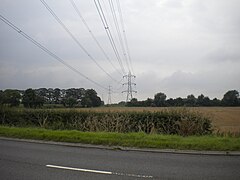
[{"x": 173, "y": 121}]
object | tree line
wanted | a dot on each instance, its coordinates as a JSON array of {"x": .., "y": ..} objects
[
  {"x": 80, "y": 97},
  {"x": 33, "y": 98},
  {"x": 230, "y": 98}
]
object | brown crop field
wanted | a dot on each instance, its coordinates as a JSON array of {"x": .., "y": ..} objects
[{"x": 225, "y": 119}]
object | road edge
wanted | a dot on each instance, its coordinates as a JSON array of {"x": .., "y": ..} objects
[{"x": 120, "y": 148}]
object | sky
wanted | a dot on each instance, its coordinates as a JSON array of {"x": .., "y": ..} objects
[{"x": 178, "y": 47}]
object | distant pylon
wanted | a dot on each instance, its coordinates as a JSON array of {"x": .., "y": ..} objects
[
  {"x": 109, "y": 95},
  {"x": 130, "y": 85}
]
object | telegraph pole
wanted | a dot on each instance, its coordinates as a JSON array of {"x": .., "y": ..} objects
[
  {"x": 109, "y": 95},
  {"x": 130, "y": 85}
]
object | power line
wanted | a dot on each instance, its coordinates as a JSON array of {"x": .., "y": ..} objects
[
  {"x": 129, "y": 76},
  {"x": 106, "y": 27},
  {"x": 124, "y": 34},
  {"x": 109, "y": 34},
  {"x": 129, "y": 84},
  {"x": 92, "y": 35},
  {"x": 75, "y": 39},
  {"x": 115, "y": 20},
  {"x": 6, "y": 21}
]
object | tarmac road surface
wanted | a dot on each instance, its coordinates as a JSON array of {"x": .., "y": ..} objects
[{"x": 29, "y": 161}]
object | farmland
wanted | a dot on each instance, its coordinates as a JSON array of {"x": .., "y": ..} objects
[
  {"x": 224, "y": 119},
  {"x": 110, "y": 126},
  {"x": 178, "y": 121}
]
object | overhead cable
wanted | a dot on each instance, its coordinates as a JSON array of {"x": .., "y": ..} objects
[
  {"x": 92, "y": 35},
  {"x": 115, "y": 20},
  {"x": 124, "y": 33},
  {"x": 6, "y": 21},
  {"x": 75, "y": 39},
  {"x": 109, "y": 34}
]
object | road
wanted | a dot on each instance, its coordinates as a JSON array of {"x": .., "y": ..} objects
[{"x": 25, "y": 160}]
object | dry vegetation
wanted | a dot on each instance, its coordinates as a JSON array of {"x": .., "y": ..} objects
[
  {"x": 177, "y": 121},
  {"x": 225, "y": 119},
  {"x": 226, "y": 122}
]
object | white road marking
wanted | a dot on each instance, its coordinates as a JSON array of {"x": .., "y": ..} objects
[
  {"x": 97, "y": 171},
  {"x": 79, "y": 169}
]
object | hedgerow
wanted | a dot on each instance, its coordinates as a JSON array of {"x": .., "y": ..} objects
[{"x": 168, "y": 121}]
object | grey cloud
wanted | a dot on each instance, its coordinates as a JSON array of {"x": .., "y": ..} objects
[
  {"x": 211, "y": 83},
  {"x": 224, "y": 55},
  {"x": 172, "y": 3},
  {"x": 177, "y": 47}
]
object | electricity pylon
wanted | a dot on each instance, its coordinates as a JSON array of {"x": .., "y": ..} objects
[
  {"x": 109, "y": 95},
  {"x": 130, "y": 85}
]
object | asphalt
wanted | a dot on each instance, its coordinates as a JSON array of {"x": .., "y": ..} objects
[
  {"x": 152, "y": 150},
  {"x": 36, "y": 160}
]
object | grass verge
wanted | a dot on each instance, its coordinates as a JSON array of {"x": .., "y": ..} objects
[{"x": 140, "y": 140}]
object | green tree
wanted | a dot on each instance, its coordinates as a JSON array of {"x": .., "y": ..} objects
[
  {"x": 200, "y": 100},
  {"x": 149, "y": 102},
  {"x": 133, "y": 103},
  {"x": 159, "y": 99},
  {"x": 91, "y": 99},
  {"x": 86, "y": 102},
  {"x": 50, "y": 95},
  {"x": 170, "y": 102},
  {"x": 11, "y": 97},
  {"x": 215, "y": 102},
  {"x": 70, "y": 102},
  {"x": 203, "y": 100},
  {"x": 43, "y": 93},
  {"x": 206, "y": 101},
  {"x": 231, "y": 98},
  {"x": 57, "y": 95},
  {"x": 1, "y": 97},
  {"x": 31, "y": 99},
  {"x": 178, "y": 102},
  {"x": 191, "y": 100},
  {"x": 122, "y": 103},
  {"x": 28, "y": 98}
]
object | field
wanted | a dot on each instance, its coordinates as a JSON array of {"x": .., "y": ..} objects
[
  {"x": 225, "y": 119},
  {"x": 226, "y": 122}
]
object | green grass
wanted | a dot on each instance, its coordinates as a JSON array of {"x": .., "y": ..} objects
[{"x": 140, "y": 140}]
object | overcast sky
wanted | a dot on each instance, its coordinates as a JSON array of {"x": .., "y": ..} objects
[{"x": 178, "y": 47}]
